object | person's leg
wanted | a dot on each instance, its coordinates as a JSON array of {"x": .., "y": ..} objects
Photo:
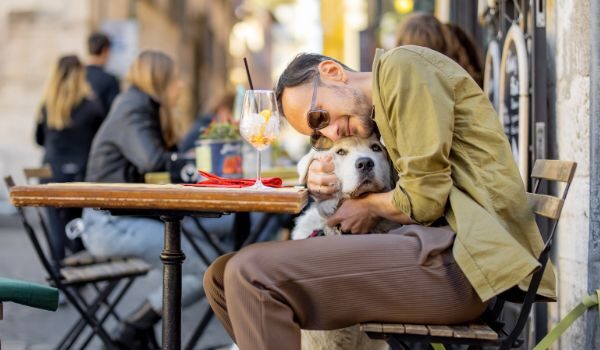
[
  {"x": 107, "y": 235},
  {"x": 272, "y": 290},
  {"x": 214, "y": 290}
]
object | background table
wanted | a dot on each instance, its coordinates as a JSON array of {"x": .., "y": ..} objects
[{"x": 170, "y": 203}]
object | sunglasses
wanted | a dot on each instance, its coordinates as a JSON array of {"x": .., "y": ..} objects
[{"x": 317, "y": 120}]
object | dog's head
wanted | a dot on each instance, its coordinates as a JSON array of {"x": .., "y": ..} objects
[{"x": 361, "y": 166}]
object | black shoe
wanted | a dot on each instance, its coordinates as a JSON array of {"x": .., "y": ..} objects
[{"x": 137, "y": 331}]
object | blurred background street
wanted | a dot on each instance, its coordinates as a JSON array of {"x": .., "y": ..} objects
[{"x": 25, "y": 328}]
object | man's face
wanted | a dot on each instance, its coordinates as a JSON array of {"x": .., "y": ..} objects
[{"x": 348, "y": 108}]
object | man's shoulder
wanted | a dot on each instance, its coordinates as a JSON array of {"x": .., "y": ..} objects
[{"x": 412, "y": 57}]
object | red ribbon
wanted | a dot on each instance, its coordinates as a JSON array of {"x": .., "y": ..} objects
[{"x": 213, "y": 180}]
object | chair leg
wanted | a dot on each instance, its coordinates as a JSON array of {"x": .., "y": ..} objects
[
  {"x": 200, "y": 328},
  {"x": 87, "y": 317},
  {"x": 105, "y": 302},
  {"x": 111, "y": 307},
  {"x": 396, "y": 344}
]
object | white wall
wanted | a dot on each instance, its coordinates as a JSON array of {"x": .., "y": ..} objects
[
  {"x": 569, "y": 53},
  {"x": 33, "y": 34}
]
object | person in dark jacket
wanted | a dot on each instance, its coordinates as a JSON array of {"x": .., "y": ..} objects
[
  {"x": 138, "y": 137},
  {"x": 68, "y": 120},
  {"x": 105, "y": 85}
]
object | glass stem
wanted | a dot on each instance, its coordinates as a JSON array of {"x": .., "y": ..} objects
[{"x": 258, "y": 181}]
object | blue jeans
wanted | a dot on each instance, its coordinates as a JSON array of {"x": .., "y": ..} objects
[{"x": 107, "y": 235}]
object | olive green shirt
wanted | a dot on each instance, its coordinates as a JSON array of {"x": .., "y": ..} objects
[{"x": 454, "y": 161}]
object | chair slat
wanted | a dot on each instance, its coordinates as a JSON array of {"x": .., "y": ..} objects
[
  {"x": 440, "y": 331},
  {"x": 372, "y": 327},
  {"x": 463, "y": 332},
  {"x": 546, "y": 206},
  {"x": 483, "y": 331},
  {"x": 393, "y": 328},
  {"x": 415, "y": 329},
  {"x": 37, "y": 173},
  {"x": 556, "y": 170},
  {"x": 110, "y": 270}
]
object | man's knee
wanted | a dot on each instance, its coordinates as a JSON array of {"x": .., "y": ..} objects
[
  {"x": 214, "y": 274},
  {"x": 248, "y": 265}
]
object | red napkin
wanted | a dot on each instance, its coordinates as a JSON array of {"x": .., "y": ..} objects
[{"x": 213, "y": 180}]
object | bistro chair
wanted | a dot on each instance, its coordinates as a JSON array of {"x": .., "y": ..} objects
[
  {"x": 105, "y": 276},
  {"x": 490, "y": 330}
]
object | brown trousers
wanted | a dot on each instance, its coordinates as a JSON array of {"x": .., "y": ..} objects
[{"x": 265, "y": 293}]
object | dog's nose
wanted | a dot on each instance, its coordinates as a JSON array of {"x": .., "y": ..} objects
[{"x": 364, "y": 164}]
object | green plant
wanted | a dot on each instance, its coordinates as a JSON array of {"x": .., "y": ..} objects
[{"x": 221, "y": 131}]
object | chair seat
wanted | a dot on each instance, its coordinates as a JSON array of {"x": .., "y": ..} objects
[
  {"x": 471, "y": 331},
  {"x": 104, "y": 271},
  {"x": 86, "y": 258}
]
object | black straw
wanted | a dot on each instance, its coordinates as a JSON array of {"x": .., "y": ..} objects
[{"x": 248, "y": 73}]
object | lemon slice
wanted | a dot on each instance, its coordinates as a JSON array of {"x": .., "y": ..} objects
[{"x": 266, "y": 113}]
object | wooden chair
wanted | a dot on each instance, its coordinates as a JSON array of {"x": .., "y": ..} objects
[
  {"x": 105, "y": 276},
  {"x": 492, "y": 332}
]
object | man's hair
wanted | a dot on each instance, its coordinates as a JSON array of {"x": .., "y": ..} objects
[
  {"x": 301, "y": 70},
  {"x": 97, "y": 42}
]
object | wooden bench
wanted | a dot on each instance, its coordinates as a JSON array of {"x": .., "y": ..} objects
[{"x": 492, "y": 332}]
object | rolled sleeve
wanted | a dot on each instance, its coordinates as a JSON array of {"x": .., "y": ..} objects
[{"x": 420, "y": 113}]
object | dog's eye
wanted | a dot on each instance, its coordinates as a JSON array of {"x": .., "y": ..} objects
[
  {"x": 341, "y": 152},
  {"x": 375, "y": 148}
]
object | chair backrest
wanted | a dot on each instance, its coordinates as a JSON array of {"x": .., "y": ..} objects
[
  {"x": 31, "y": 233},
  {"x": 550, "y": 207},
  {"x": 41, "y": 173}
]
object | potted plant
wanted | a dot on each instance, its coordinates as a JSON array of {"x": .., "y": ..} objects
[{"x": 219, "y": 150}]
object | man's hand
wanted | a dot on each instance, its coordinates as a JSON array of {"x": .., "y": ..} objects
[
  {"x": 321, "y": 180},
  {"x": 354, "y": 216}
]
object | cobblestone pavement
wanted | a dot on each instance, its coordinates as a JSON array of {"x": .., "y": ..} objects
[{"x": 33, "y": 329}]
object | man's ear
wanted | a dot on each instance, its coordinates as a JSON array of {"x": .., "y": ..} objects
[
  {"x": 331, "y": 70},
  {"x": 304, "y": 164}
]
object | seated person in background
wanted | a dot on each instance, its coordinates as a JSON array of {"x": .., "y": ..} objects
[
  {"x": 472, "y": 63},
  {"x": 468, "y": 235},
  {"x": 138, "y": 137},
  {"x": 68, "y": 120},
  {"x": 426, "y": 30},
  {"x": 105, "y": 85},
  {"x": 221, "y": 113}
]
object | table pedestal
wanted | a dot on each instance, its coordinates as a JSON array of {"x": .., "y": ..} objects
[{"x": 172, "y": 258}]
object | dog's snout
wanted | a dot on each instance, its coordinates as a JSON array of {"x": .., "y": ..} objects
[{"x": 364, "y": 164}]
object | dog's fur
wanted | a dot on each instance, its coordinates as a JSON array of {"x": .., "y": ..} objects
[{"x": 354, "y": 181}]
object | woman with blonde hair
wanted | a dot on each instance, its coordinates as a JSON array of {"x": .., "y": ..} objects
[
  {"x": 138, "y": 137},
  {"x": 68, "y": 120},
  {"x": 423, "y": 29}
]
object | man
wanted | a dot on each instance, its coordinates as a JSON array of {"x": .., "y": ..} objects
[
  {"x": 468, "y": 236},
  {"x": 105, "y": 85}
]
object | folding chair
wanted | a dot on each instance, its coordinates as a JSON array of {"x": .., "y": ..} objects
[
  {"x": 490, "y": 331},
  {"x": 105, "y": 277}
]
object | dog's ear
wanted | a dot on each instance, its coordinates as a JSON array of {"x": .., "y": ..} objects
[{"x": 304, "y": 164}]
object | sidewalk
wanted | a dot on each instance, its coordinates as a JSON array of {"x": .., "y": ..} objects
[{"x": 32, "y": 329}]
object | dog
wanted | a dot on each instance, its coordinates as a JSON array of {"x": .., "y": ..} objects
[{"x": 362, "y": 167}]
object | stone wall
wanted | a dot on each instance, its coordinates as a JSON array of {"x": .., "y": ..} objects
[
  {"x": 33, "y": 34},
  {"x": 568, "y": 34}
]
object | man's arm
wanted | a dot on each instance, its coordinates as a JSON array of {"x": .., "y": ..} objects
[{"x": 418, "y": 97}]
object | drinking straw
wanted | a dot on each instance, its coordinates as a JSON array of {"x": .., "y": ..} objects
[{"x": 248, "y": 73}]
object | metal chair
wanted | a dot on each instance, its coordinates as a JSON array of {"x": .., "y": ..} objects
[
  {"x": 105, "y": 276},
  {"x": 490, "y": 331}
]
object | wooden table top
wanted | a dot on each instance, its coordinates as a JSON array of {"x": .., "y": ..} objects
[{"x": 159, "y": 197}]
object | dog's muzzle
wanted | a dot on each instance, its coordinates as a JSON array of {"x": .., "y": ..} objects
[{"x": 364, "y": 164}]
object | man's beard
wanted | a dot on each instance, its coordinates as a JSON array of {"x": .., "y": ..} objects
[{"x": 362, "y": 110}]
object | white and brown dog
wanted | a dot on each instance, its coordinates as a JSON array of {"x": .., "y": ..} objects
[{"x": 361, "y": 166}]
